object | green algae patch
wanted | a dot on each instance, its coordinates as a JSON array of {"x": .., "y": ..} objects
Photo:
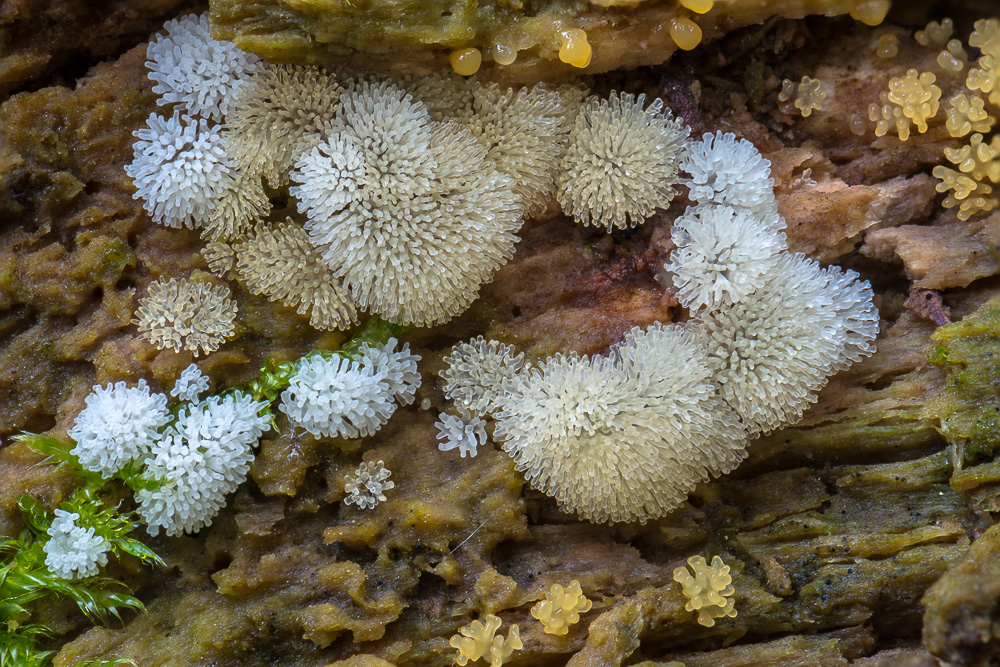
[{"x": 968, "y": 405}]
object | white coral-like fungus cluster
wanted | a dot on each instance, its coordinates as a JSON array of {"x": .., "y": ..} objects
[
  {"x": 776, "y": 325},
  {"x": 186, "y": 314},
  {"x": 72, "y": 551},
  {"x": 190, "y": 385},
  {"x": 118, "y": 426},
  {"x": 281, "y": 263},
  {"x": 476, "y": 373},
  {"x": 201, "y": 74},
  {"x": 626, "y": 436},
  {"x": 200, "y": 459},
  {"x": 367, "y": 488},
  {"x": 180, "y": 169},
  {"x": 730, "y": 171},
  {"x": 331, "y": 396},
  {"x": 723, "y": 254},
  {"x": 402, "y": 208},
  {"x": 191, "y": 461},
  {"x": 622, "y": 161},
  {"x": 623, "y": 437},
  {"x": 465, "y": 435}
]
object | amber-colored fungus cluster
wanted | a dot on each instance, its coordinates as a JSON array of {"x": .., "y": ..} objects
[
  {"x": 807, "y": 93},
  {"x": 709, "y": 590},
  {"x": 888, "y": 46},
  {"x": 914, "y": 98},
  {"x": 479, "y": 640},
  {"x": 561, "y": 608},
  {"x": 911, "y": 99}
]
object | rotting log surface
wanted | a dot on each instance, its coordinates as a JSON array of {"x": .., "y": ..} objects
[{"x": 835, "y": 527}]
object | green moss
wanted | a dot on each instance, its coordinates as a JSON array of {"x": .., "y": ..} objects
[{"x": 968, "y": 406}]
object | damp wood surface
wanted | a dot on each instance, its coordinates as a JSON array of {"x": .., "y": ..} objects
[{"x": 860, "y": 535}]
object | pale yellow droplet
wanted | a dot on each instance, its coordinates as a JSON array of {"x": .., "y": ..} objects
[
  {"x": 871, "y": 12},
  {"x": 575, "y": 49},
  {"x": 858, "y": 125},
  {"x": 888, "y": 46},
  {"x": 698, "y": 6},
  {"x": 466, "y": 61},
  {"x": 503, "y": 54},
  {"x": 685, "y": 33}
]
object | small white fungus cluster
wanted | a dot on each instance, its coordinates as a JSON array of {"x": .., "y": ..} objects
[
  {"x": 403, "y": 209},
  {"x": 186, "y": 314},
  {"x": 198, "y": 461},
  {"x": 351, "y": 398},
  {"x": 367, "y": 488},
  {"x": 725, "y": 170},
  {"x": 622, "y": 161},
  {"x": 190, "y": 385},
  {"x": 477, "y": 372},
  {"x": 180, "y": 169},
  {"x": 118, "y": 426},
  {"x": 72, "y": 551},
  {"x": 198, "y": 73},
  {"x": 464, "y": 434},
  {"x": 192, "y": 461}
]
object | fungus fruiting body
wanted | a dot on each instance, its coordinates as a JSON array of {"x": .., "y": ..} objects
[
  {"x": 117, "y": 426},
  {"x": 622, "y": 437},
  {"x": 723, "y": 254},
  {"x": 478, "y": 640},
  {"x": 190, "y": 385},
  {"x": 282, "y": 264},
  {"x": 911, "y": 99},
  {"x": 276, "y": 113},
  {"x": 200, "y": 459},
  {"x": 405, "y": 211},
  {"x": 477, "y": 372},
  {"x": 185, "y": 314},
  {"x": 622, "y": 161},
  {"x": 465, "y": 435},
  {"x": 725, "y": 170},
  {"x": 73, "y": 551},
  {"x": 199, "y": 73},
  {"x": 368, "y": 486},
  {"x": 709, "y": 591},
  {"x": 561, "y": 608},
  {"x": 180, "y": 169}
]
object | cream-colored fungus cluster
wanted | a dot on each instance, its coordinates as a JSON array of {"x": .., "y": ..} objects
[
  {"x": 561, "y": 608},
  {"x": 708, "y": 590},
  {"x": 479, "y": 639}
]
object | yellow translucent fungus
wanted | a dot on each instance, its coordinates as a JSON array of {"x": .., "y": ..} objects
[
  {"x": 575, "y": 49},
  {"x": 466, "y": 61},
  {"x": 871, "y": 12},
  {"x": 986, "y": 37},
  {"x": 913, "y": 97},
  {"x": 561, "y": 608},
  {"x": 857, "y": 125},
  {"x": 504, "y": 54},
  {"x": 935, "y": 35},
  {"x": 985, "y": 77},
  {"x": 478, "y": 640},
  {"x": 697, "y": 6},
  {"x": 685, "y": 33},
  {"x": 953, "y": 59},
  {"x": 787, "y": 90},
  {"x": 708, "y": 591},
  {"x": 967, "y": 115},
  {"x": 808, "y": 95},
  {"x": 977, "y": 163},
  {"x": 888, "y": 46}
]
